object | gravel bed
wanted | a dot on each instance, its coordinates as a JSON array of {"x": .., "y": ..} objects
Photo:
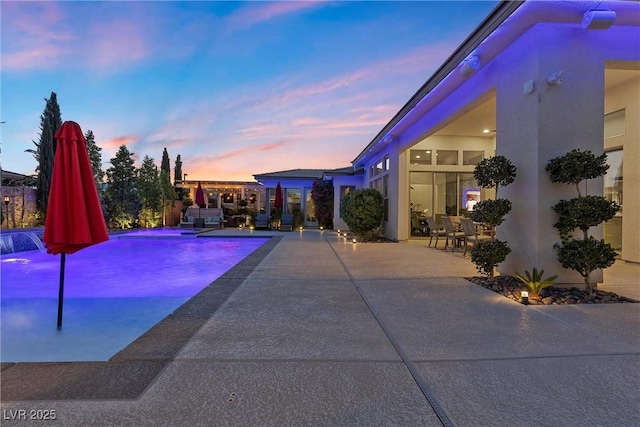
[{"x": 510, "y": 287}]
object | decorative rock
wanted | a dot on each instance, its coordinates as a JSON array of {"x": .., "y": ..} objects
[{"x": 510, "y": 287}]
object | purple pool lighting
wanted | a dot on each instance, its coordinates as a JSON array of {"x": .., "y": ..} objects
[{"x": 114, "y": 292}]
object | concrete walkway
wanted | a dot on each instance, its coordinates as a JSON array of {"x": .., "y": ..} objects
[{"x": 322, "y": 332}]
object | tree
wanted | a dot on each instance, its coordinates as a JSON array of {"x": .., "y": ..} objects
[
  {"x": 96, "y": 160},
  {"x": 165, "y": 166},
  {"x": 583, "y": 212},
  {"x": 322, "y": 196},
  {"x": 177, "y": 172},
  {"x": 492, "y": 172},
  {"x": 167, "y": 192},
  {"x": 362, "y": 210},
  {"x": 150, "y": 193},
  {"x": 44, "y": 153},
  {"x": 121, "y": 194}
]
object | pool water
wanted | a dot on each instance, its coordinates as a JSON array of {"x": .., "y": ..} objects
[{"x": 113, "y": 293}]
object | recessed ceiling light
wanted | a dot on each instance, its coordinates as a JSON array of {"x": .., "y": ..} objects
[
  {"x": 486, "y": 131},
  {"x": 417, "y": 157}
]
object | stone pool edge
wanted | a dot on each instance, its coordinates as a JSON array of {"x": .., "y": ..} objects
[{"x": 128, "y": 373}]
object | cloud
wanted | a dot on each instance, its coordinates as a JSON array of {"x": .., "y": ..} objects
[
  {"x": 34, "y": 36},
  {"x": 256, "y": 13},
  {"x": 115, "y": 143},
  {"x": 115, "y": 44}
]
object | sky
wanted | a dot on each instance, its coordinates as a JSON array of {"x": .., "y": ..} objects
[{"x": 234, "y": 88}]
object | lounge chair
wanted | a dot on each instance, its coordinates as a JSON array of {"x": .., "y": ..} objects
[
  {"x": 286, "y": 223},
  {"x": 214, "y": 218},
  {"x": 262, "y": 221},
  {"x": 188, "y": 222}
]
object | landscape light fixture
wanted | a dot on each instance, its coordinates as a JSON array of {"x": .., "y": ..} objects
[
  {"x": 6, "y": 204},
  {"x": 525, "y": 297}
]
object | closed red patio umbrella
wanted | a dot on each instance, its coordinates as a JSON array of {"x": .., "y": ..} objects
[
  {"x": 199, "y": 197},
  {"x": 277, "y": 203},
  {"x": 74, "y": 216}
]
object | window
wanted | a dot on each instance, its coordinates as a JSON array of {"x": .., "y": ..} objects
[
  {"x": 345, "y": 189},
  {"x": 447, "y": 157},
  {"x": 472, "y": 157},
  {"x": 293, "y": 200},
  {"x": 227, "y": 198},
  {"x": 379, "y": 167},
  {"x": 385, "y": 196},
  {"x": 613, "y": 191},
  {"x": 614, "y": 124},
  {"x": 386, "y": 163},
  {"x": 420, "y": 157}
]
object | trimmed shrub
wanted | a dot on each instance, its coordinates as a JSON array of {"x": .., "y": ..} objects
[{"x": 362, "y": 210}]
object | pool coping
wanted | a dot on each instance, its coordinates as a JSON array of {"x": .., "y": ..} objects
[{"x": 128, "y": 373}]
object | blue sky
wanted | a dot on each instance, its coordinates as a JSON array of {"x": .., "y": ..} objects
[{"x": 235, "y": 88}]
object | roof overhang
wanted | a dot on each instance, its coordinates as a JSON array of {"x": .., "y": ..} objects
[{"x": 508, "y": 21}]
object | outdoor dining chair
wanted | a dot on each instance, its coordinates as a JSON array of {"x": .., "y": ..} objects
[
  {"x": 451, "y": 233},
  {"x": 471, "y": 233},
  {"x": 434, "y": 230}
]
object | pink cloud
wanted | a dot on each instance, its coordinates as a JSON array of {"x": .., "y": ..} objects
[
  {"x": 116, "y": 43},
  {"x": 34, "y": 35},
  {"x": 115, "y": 143},
  {"x": 256, "y": 13}
]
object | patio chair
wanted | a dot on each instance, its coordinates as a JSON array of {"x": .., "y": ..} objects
[
  {"x": 451, "y": 232},
  {"x": 434, "y": 230},
  {"x": 471, "y": 233},
  {"x": 262, "y": 221},
  {"x": 189, "y": 222},
  {"x": 286, "y": 222},
  {"x": 216, "y": 220}
]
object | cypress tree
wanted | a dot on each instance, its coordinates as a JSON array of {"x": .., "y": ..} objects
[
  {"x": 44, "y": 153},
  {"x": 178, "y": 170},
  {"x": 165, "y": 166}
]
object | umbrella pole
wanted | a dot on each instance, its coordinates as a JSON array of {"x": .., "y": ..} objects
[{"x": 61, "y": 291}]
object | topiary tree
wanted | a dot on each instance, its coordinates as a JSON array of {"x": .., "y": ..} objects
[
  {"x": 362, "y": 210},
  {"x": 492, "y": 172},
  {"x": 322, "y": 196},
  {"x": 583, "y": 212}
]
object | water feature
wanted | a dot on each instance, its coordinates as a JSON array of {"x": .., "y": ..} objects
[
  {"x": 114, "y": 292},
  {"x": 18, "y": 241}
]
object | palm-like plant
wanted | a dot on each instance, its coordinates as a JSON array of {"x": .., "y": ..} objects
[{"x": 535, "y": 281}]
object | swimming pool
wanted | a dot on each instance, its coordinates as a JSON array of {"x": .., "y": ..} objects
[{"x": 114, "y": 292}]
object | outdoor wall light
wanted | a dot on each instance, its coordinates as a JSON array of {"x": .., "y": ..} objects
[
  {"x": 469, "y": 66},
  {"x": 525, "y": 297},
  {"x": 354, "y": 240},
  {"x": 554, "y": 79},
  {"x": 598, "y": 19}
]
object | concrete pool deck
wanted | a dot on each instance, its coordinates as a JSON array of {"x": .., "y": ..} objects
[{"x": 313, "y": 330}]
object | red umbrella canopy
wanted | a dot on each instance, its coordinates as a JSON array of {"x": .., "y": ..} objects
[
  {"x": 199, "y": 195},
  {"x": 277, "y": 203},
  {"x": 74, "y": 215}
]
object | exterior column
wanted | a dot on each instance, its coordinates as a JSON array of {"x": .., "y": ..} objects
[{"x": 533, "y": 128}]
